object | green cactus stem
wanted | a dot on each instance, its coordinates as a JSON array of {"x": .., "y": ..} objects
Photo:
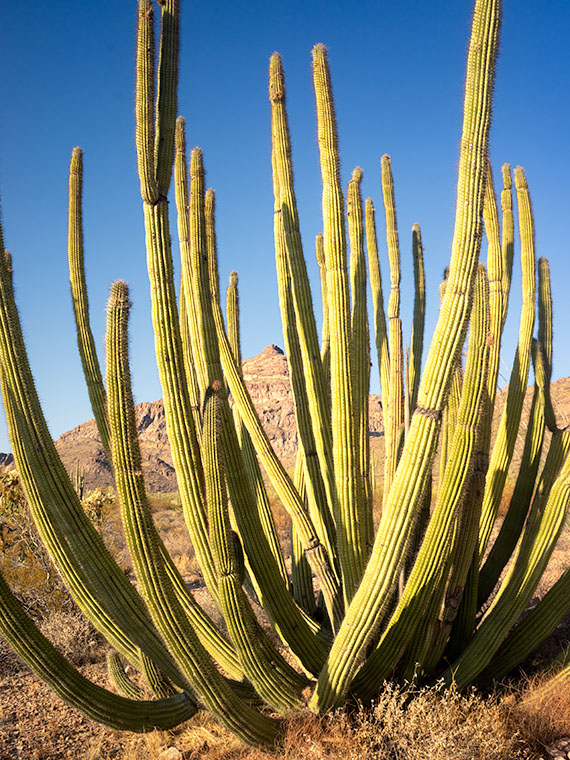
[
  {"x": 434, "y": 556},
  {"x": 351, "y": 545},
  {"x": 394, "y": 409},
  {"x": 360, "y": 351},
  {"x": 94, "y": 702},
  {"x": 418, "y": 325},
  {"x": 364, "y": 614},
  {"x": 85, "y": 341},
  {"x": 508, "y": 428},
  {"x": 143, "y": 541}
]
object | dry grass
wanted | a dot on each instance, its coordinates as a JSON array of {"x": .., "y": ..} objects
[{"x": 432, "y": 725}]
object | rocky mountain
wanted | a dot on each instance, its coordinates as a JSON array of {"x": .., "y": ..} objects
[{"x": 267, "y": 378}]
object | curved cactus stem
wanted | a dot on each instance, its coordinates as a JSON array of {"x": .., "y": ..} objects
[
  {"x": 247, "y": 449},
  {"x": 85, "y": 341},
  {"x": 120, "y": 679},
  {"x": 143, "y": 543},
  {"x": 360, "y": 353},
  {"x": 394, "y": 409},
  {"x": 397, "y": 522},
  {"x": 351, "y": 546},
  {"x": 538, "y": 540},
  {"x": 536, "y": 627},
  {"x": 513, "y": 522},
  {"x": 95, "y": 702},
  {"x": 314, "y": 550},
  {"x": 275, "y": 681},
  {"x": 509, "y": 425},
  {"x": 434, "y": 556},
  {"x": 98, "y": 585}
]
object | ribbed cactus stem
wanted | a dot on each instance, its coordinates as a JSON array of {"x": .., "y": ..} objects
[
  {"x": 192, "y": 354},
  {"x": 275, "y": 681},
  {"x": 434, "y": 557},
  {"x": 508, "y": 234},
  {"x": 545, "y": 336},
  {"x": 120, "y": 679},
  {"x": 522, "y": 495},
  {"x": 417, "y": 341},
  {"x": 360, "y": 351},
  {"x": 537, "y": 543},
  {"x": 350, "y": 533},
  {"x": 248, "y": 451},
  {"x": 143, "y": 540},
  {"x": 144, "y": 102},
  {"x": 85, "y": 341},
  {"x": 394, "y": 410},
  {"x": 95, "y": 702},
  {"x": 325, "y": 332},
  {"x": 299, "y": 325},
  {"x": 507, "y": 434},
  {"x": 167, "y": 93},
  {"x": 381, "y": 333},
  {"x": 398, "y": 516}
]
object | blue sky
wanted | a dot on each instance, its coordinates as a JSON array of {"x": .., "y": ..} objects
[{"x": 67, "y": 78}]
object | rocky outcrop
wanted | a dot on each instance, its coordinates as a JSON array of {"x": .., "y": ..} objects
[{"x": 267, "y": 378}]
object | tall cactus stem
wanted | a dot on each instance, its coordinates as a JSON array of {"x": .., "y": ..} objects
[
  {"x": 85, "y": 341},
  {"x": 394, "y": 410},
  {"x": 350, "y": 533},
  {"x": 397, "y": 522}
]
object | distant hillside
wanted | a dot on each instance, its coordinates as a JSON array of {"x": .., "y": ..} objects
[{"x": 267, "y": 378}]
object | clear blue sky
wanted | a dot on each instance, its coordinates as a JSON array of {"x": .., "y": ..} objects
[{"x": 67, "y": 78}]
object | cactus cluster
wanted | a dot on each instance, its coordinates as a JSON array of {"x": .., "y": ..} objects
[{"x": 362, "y": 604}]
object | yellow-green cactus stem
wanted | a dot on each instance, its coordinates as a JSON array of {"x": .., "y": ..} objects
[
  {"x": 193, "y": 357},
  {"x": 95, "y": 702},
  {"x": 275, "y": 681},
  {"x": 537, "y": 543},
  {"x": 545, "y": 336},
  {"x": 360, "y": 351},
  {"x": 381, "y": 333},
  {"x": 166, "y": 93},
  {"x": 288, "y": 620},
  {"x": 165, "y": 318},
  {"x": 418, "y": 325},
  {"x": 394, "y": 532},
  {"x": 351, "y": 532},
  {"x": 519, "y": 504},
  {"x": 248, "y": 451},
  {"x": 143, "y": 542},
  {"x": 325, "y": 332},
  {"x": 508, "y": 428},
  {"x": 394, "y": 409},
  {"x": 299, "y": 326},
  {"x": 144, "y": 102},
  {"x": 85, "y": 341},
  {"x": 434, "y": 557},
  {"x": 508, "y": 234},
  {"x": 120, "y": 679}
]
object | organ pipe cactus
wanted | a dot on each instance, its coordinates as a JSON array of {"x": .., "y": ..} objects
[{"x": 363, "y": 605}]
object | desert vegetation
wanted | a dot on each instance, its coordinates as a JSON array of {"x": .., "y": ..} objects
[{"x": 417, "y": 584}]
